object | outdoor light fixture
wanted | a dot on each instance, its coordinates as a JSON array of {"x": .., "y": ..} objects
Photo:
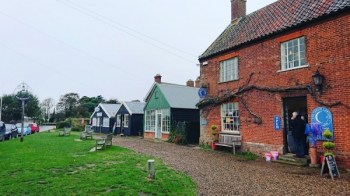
[{"x": 318, "y": 81}]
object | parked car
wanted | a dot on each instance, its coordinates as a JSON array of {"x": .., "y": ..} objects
[
  {"x": 2, "y": 131},
  {"x": 26, "y": 129},
  {"x": 11, "y": 131},
  {"x": 34, "y": 127}
]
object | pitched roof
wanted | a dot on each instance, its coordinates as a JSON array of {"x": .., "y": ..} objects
[
  {"x": 134, "y": 107},
  {"x": 276, "y": 17},
  {"x": 178, "y": 96},
  {"x": 110, "y": 109}
]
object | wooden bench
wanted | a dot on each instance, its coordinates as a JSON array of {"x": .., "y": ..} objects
[
  {"x": 87, "y": 133},
  {"x": 228, "y": 140},
  {"x": 104, "y": 142},
  {"x": 65, "y": 131}
]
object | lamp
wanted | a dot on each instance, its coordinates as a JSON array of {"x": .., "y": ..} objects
[{"x": 318, "y": 81}]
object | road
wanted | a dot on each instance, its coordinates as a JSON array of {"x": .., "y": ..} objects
[{"x": 46, "y": 127}]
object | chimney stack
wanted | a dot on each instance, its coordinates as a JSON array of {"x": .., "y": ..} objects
[
  {"x": 190, "y": 83},
  {"x": 158, "y": 78},
  {"x": 238, "y": 9},
  {"x": 197, "y": 82}
]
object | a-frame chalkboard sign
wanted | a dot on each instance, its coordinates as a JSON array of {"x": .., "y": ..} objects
[{"x": 330, "y": 164}]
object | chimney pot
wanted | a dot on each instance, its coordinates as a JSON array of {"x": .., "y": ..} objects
[
  {"x": 190, "y": 83},
  {"x": 198, "y": 82},
  {"x": 238, "y": 9},
  {"x": 158, "y": 78}
]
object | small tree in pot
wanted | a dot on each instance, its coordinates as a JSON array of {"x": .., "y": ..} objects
[
  {"x": 328, "y": 145},
  {"x": 214, "y": 133}
]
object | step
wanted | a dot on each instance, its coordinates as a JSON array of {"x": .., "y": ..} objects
[
  {"x": 293, "y": 159},
  {"x": 289, "y": 162}
]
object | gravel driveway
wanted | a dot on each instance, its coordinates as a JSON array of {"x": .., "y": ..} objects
[{"x": 217, "y": 173}]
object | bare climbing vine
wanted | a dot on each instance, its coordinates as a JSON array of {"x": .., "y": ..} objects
[{"x": 208, "y": 103}]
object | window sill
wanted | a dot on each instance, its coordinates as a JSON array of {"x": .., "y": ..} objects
[
  {"x": 165, "y": 132},
  {"x": 149, "y": 131},
  {"x": 228, "y": 81},
  {"x": 291, "y": 69},
  {"x": 231, "y": 132}
]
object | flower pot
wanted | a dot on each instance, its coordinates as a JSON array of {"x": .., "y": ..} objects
[
  {"x": 214, "y": 146},
  {"x": 321, "y": 159},
  {"x": 268, "y": 157},
  {"x": 274, "y": 154}
]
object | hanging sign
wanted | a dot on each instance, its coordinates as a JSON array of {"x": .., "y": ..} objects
[
  {"x": 323, "y": 117},
  {"x": 277, "y": 123},
  {"x": 330, "y": 164},
  {"x": 99, "y": 114}
]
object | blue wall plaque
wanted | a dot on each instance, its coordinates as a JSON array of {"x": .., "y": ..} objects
[
  {"x": 322, "y": 116},
  {"x": 202, "y": 92},
  {"x": 277, "y": 123}
]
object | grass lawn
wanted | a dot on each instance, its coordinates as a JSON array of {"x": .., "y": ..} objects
[{"x": 45, "y": 164}]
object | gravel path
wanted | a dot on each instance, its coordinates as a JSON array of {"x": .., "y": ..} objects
[{"x": 217, "y": 173}]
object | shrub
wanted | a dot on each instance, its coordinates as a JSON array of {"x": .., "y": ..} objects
[
  {"x": 62, "y": 124},
  {"x": 327, "y": 134},
  {"x": 328, "y": 145},
  {"x": 178, "y": 134}
]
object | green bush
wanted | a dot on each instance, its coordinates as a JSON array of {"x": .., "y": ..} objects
[
  {"x": 69, "y": 122},
  {"x": 62, "y": 124},
  {"x": 178, "y": 134},
  {"x": 327, "y": 134},
  {"x": 328, "y": 145}
]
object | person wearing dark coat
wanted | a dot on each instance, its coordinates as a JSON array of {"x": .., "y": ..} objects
[{"x": 297, "y": 125}]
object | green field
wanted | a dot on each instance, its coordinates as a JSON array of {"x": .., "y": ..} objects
[{"x": 45, "y": 164}]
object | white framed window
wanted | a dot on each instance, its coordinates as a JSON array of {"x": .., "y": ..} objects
[
  {"x": 118, "y": 120},
  {"x": 94, "y": 122},
  {"x": 230, "y": 117},
  {"x": 126, "y": 120},
  {"x": 229, "y": 70},
  {"x": 105, "y": 122},
  {"x": 150, "y": 120},
  {"x": 293, "y": 53},
  {"x": 165, "y": 120}
]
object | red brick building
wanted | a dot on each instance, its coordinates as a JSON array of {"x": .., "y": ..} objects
[{"x": 262, "y": 65}]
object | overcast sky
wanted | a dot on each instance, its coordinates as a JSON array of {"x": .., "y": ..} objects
[{"x": 112, "y": 48}]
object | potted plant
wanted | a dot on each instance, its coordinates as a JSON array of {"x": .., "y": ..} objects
[
  {"x": 215, "y": 139},
  {"x": 328, "y": 145}
]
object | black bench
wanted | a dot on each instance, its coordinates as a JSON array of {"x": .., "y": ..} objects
[
  {"x": 229, "y": 140},
  {"x": 104, "y": 142}
]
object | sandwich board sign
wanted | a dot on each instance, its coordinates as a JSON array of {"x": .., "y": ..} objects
[{"x": 330, "y": 164}]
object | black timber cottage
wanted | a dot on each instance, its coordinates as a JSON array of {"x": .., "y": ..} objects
[{"x": 129, "y": 118}]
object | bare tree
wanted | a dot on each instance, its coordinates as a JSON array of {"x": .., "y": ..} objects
[{"x": 46, "y": 106}]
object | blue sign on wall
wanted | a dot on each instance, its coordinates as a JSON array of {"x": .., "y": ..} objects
[
  {"x": 277, "y": 123},
  {"x": 322, "y": 116},
  {"x": 202, "y": 92}
]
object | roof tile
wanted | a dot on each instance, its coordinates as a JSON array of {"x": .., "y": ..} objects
[{"x": 276, "y": 17}]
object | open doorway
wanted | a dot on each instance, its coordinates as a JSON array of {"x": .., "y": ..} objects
[{"x": 290, "y": 105}]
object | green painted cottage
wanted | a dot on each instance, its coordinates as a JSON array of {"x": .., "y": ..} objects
[{"x": 168, "y": 104}]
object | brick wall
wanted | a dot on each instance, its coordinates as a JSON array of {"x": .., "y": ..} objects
[
  {"x": 151, "y": 135},
  {"x": 327, "y": 49}
]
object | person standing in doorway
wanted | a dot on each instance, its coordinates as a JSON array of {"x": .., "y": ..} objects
[{"x": 297, "y": 125}]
